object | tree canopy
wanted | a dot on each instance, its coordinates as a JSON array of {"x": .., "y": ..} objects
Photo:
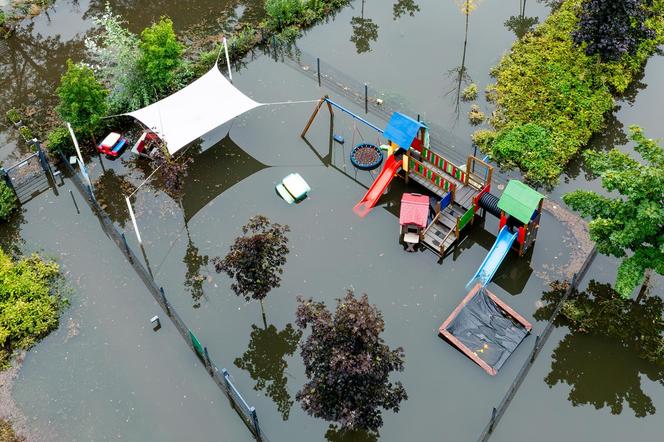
[
  {"x": 256, "y": 259},
  {"x": 161, "y": 55},
  {"x": 82, "y": 98},
  {"x": 628, "y": 224},
  {"x": 7, "y": 201},
  {"x": 348, "y": 364},
  {"x": 611, "y": 28}
]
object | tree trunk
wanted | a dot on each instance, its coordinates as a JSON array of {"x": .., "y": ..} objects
[
  {"x": 645, "y": 287},
  {"x": 263, "y": 313}
]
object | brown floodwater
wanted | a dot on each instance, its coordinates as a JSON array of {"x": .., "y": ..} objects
[{"x": 118, "y": 378}]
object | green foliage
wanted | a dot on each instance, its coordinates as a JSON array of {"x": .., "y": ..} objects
[
  {"x": 3, "y": 18},
  {"x": 7, "y": 433},
  {"x": 475, "y": 115},
  {"x": 527, "y": 144},
  {"x": 161, "y": 55},
  {"x": 549, "y": 81},
  {"x": 469, "y": 93},
  {"x": 283, "y": 12},
  {"x": 13, "y": 116},
  {"x": 7, "y": 200},
  {"x": 25, "y": 132},
  {"x": 82, "y": 98},
  {"x": 115, "y": 54},
  {"x": 59, "y": 140},
  {"x": 631, "y": 224},
  {"x": 29, "y": 302}
]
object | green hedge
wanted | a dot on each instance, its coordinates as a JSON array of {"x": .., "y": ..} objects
[
  {"x": 30, "y": 302},
  {"x": 547, "y": 81}
]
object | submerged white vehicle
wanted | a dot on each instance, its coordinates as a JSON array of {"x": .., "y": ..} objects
[{"x": 293, "y": 188}]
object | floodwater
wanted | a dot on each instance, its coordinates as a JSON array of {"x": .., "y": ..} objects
[{"x": 118, "y": 378}]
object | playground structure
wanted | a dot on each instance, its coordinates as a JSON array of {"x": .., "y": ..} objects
[{"x": 413, "y": 216}]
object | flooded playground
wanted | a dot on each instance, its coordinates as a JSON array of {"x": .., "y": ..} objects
[{"x": 105, "y": 374}]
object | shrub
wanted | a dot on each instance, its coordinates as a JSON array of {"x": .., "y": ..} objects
[
  {"x": 7, "y": 201},
  {"x": 528, "y": 145},
  {"x": 611, "y": 28},
  {"x": 469, "y": 93},
  {"x": 58, "y": 140},
  {"x": 475, "y": 115},
  {"x": 3, "y": 18},
  {"x": 283, "y": 12},
  {"x": 13, "y": 116},
  {"x": 29, "y": 302},
  {"x": 549, "y": 81},
  {"x": 82, "y": 98},
  {"x": 26, "y": 133},
  {"x": 161, "y": 55}
]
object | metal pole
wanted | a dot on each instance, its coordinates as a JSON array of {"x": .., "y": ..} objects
[
  {"x": 207, "y": 357},
  {"x": 537, "y": 339},
  {"x": 228, "y": 60},
  {"x": 318, "y": 69},
  {"x": 124, "y": 241},
  {"x": 163, "y": 298},
  {"x": 133, "y": 220},
  {"x": 74, "y": 200},
  {"x": 493, "y": 419},
  {"x": 366, "y": 98}
]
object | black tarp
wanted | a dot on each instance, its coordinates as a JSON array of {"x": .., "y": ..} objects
[{"x": 487, "y": 330}]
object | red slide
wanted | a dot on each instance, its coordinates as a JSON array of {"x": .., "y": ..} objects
[{"x": 378, "y": 187}]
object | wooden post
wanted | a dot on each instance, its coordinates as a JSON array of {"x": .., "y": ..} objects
[
  {"x": 469, "y": 161},
  {"x": 318, "y": 69},
  {"x": 457, "y": 228},
  {"x": 453, "y": 193},
  {"x": 313, "y": 116},
  {"x": 488, "y": 177}
]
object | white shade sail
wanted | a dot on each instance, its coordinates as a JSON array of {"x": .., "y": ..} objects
[{"x": 190, "y": 113}]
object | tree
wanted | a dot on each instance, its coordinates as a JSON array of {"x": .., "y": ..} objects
[
  {"x": 7, "y": 201},
  {"x": 265, "y": 362},
  {"x": 632, "y": 222},
  {"x": 348, "y": 364},
  {"x": 256, "y": 259},
  {"x": 82, "y": 98},
  {"x": 612, "y": 28},
  {"x": 161, "y": 55}
]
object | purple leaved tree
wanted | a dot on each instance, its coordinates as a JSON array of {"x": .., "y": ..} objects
[{"x": 348, "y": 364}]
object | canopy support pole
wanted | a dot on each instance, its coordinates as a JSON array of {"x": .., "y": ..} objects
[
  {"x": 228, "y": 60},
  {"x": 133, "y": 221}
]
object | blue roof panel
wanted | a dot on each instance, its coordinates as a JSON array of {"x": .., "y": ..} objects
[{"x": 402, "y": 130}]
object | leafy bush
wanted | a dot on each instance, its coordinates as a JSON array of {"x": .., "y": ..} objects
[
  {"x": 283, "y": 12},
  {"x": 7, "y": 433},
  {"x": 13, "y": 116},
  {"x": 549, "y": 81},
  {"x": 475, "y": 115},
  {"x": 25, "y": 132},
  {"x": 469, "y": 93},
  {"x": 3, "y": 18},
  {"x": 161, "y": 55},
  {"x": 7, "y": 200},
  {"x": 82, "y": 98},
  {"x": 58, "y": 140},
  {"x": 528, "y": 145},
  {"x": 29, "y": 302},
  {"x": 611, "y": 28}
]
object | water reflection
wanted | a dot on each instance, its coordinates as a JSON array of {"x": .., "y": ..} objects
[
  {"x": 364, "y": 32},
  {"x": 265, "y": 362},
  {"x": 459, "y": 75},
  {"x": 334, "y": 434},
  {"x": 520, "y": 24},
  {"x": 10, "y": 232},
  {"x": 194, "y": 277},
  {"x": 402, "y": 7},
  {"x": 613, "y": 342},
  {"x": 109, "y": 190}
]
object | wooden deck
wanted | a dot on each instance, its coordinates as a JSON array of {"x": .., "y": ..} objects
[{"x": 463, "y": 196}]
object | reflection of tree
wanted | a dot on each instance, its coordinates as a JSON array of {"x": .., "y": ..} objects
[
  {"x": 334, "y": 434},
  {"x": 520, "y": 24},
  {"x": 193, "y": 278},
  {"x": 402, "y": 7},
  {"x": 364, "y": 32},
  {"x": 10, "y": 232},
  {"x": 459, "y": 75},
  {"x": 264, "y": 360},
  {"x": 110, "y": 189},
  {"x": 613, "y": 342}
]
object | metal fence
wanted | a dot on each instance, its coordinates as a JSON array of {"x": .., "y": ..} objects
[
  {"x": 28, "y": 177},
  {"x": 220, "y": 377},
  {"x": 498, "y": 412}
]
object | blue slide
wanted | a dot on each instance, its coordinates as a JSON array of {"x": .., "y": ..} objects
[{"x": 494, "y": 258}]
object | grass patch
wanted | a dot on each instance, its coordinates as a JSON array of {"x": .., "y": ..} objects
[{"x": 548, "y": 81}]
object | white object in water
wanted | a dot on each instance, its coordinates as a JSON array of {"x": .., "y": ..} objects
[{"x": 293, "y": 188}]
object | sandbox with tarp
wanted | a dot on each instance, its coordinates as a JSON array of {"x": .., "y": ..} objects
[{"x": 485, "y": 329}]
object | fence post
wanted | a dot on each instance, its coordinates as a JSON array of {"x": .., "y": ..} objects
[
  {"x": 318, "y": 69},
  {"x": 163, "y": 298},
  {"x": 254, "y": 420},
  {"x": 207, "y": 357},
  {"x": 493, "y": 419},
  {"x": 366, "y": 98},
  {"x": 224, "y": 373},
  {"x": 74, "y": 200},
  {"x": 124, "y": 241}
]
